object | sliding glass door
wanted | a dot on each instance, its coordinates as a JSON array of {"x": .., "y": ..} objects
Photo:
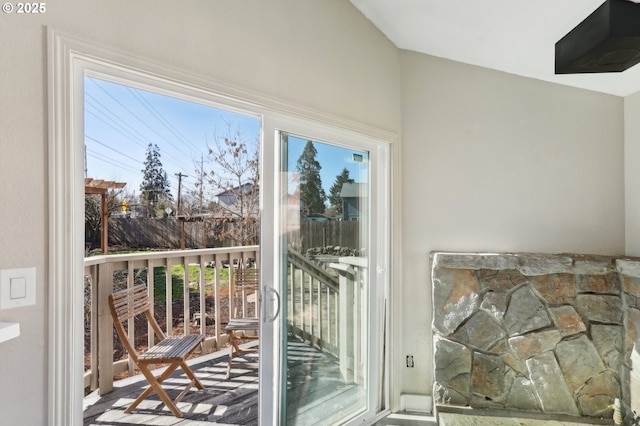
[{"x": 330, "y": 278}]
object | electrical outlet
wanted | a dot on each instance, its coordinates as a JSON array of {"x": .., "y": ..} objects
[{"x": 410, "y": 361}]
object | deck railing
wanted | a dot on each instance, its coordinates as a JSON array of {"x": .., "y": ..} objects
[
  {"x": 313, "y": 302},
  {"x": 106, "y": 274},
  {"x": 324, "y": 303},
  {"x": 325, "y": 307}
]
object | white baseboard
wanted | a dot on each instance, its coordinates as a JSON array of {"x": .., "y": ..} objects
[{"x": 416, "y": 403}]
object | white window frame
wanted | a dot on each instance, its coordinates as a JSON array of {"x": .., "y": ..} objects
[
  {"x": 69, "y": 60},
  {"x": 379, "y": 256}
]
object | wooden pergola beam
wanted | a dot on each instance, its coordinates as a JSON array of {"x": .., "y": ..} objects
[
  {"x": 102, "y": 187},
  {"x": 99, "y": 186}
]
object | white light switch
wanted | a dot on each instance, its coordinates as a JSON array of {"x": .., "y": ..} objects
[{"x": 17, "y": 287}]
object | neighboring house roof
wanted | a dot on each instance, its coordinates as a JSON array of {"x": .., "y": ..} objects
[
  {"x": 352, "y": 190},
  {"x": 228, "y": 201},
  {"x": 228, "y": 197}
]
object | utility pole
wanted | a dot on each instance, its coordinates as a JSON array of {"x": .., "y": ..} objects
[
  {"x": 201, "y": 180},
  {"x": 180, "y": 176}
]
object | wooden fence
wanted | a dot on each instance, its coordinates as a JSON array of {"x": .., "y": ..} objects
[
  {"x": 326, "y": 233},
  {"x": 165, "y": 234},
  {"x": 157, "y": 233}
]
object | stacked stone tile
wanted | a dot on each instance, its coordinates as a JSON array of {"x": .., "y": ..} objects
[{"x": 551, "y": 334}]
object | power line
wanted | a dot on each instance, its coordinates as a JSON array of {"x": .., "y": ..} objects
[
  {"x": 130, "y": 135},
  {"x": 113, "y": 149},
  {"x": 122, "y": 131},
  {"x": 133, "y": 114},
  {"x": 111, "y": 161},
  {"x": 108, "y": 111},
  {"x": 160, "y": 117},
  {"x": 95, "y": 82},
  {"x": 121, "y": 117}
]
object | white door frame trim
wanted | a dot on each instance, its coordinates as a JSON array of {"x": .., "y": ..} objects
[
  {"x": 67, "y": 57},
  {"x": 65, "y": 244}
]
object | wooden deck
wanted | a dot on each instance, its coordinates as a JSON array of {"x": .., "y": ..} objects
[
  {"x": 222, "y": 402},
  {"x": 315, "y": 392}
]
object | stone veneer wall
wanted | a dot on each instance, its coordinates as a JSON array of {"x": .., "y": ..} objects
[{"x": 535, "y": 333}]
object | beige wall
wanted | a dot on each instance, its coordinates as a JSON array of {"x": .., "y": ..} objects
[
  {"x": 319, "y": 54},
  {"x": 496, "y": 162},
  {"x": 490, "y": 161},
  {"x": 632, "y": 173}
]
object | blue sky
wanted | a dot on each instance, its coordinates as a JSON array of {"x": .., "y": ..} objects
[
  {"x": 333, "y": 159},
  {"x": 121, "y": 121}
]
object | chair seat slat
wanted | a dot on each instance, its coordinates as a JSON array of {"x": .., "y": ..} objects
[
  {"x": 243, "y": 324},
  {"x": 172, "y": 348}
]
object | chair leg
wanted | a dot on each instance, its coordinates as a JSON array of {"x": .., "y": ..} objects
[
  {"x": 187, "y": 370},
  {"x": 234, "y": 341},
  {"x": 230, "y": 360},
  {"x": 155, "y": 386}
]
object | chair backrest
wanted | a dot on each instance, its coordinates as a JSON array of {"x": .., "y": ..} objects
[
  {"x": 247, "y": 279},
  {"x": 129, "y": 302},
  {"x": 245, "y": 282},
  {"x": 124, "y": 306}
]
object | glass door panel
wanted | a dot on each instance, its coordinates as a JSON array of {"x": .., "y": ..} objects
[{"x": 325, "y": 282}]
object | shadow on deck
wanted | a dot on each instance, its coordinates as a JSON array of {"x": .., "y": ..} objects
[
  {"x": 315, "y": 391},
  {"x": 222, "y": 402}
]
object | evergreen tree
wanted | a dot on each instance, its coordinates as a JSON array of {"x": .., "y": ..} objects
[
  {"x": 155, "y": 184},
  {"x": 334, "y": 192},
  {"x": 312, "y": 195}
]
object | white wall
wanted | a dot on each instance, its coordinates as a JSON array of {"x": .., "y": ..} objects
[
  {"x": 632, "y": 174},
  {"x": 496, "y": 162},
  {"x": 490, "y": 161},
  {"x": 320, "y": 54}
]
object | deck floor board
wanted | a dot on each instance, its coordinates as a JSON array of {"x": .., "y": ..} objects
[{"x": 313, "y": 383}]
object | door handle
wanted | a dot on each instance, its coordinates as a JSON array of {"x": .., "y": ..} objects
[{"x": 276, "y": 296}]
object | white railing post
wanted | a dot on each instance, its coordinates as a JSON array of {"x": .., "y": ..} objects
[
  {"x": 105, "y": 329},
  {"x": 319, "y": 314},
  {"x": 360, "y": 291},
  {"x": 346, "y": 324},
  {"x": 93, "y": 321},
  {"x": 130, "y": 326},
  {"x": 186, "y": 309},
  {"x": 216, "y": 291},
  {"x": 203, "y": 297},
  {"x": 168, "y": 297},
  {"x": 231, "y": 287},
  {"x": 292, "y": 298},
  {"x": 151, "y": 290},
  {"x": 330, "y": 332},
  {"x": 352, "y": 342}
]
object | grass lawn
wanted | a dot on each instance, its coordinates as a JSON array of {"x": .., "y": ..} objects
[{"x": 177, "y": 280}]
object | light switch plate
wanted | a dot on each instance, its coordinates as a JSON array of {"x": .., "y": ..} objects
[{"x": 17, "y": 287}]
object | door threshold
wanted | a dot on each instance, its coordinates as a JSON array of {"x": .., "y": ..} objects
[{"x": 405, "y": 418}]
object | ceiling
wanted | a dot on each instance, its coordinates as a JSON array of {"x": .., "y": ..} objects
[{"x": 513, "y": 36}]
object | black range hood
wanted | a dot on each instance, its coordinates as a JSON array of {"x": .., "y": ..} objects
[{"x": 608, "y": 40}]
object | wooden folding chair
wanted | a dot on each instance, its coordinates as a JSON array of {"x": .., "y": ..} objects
[
  {"x": 170, "y": 351},
  {"x": 237, "y": 330},
  {"x": 244, "y": 281}
]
